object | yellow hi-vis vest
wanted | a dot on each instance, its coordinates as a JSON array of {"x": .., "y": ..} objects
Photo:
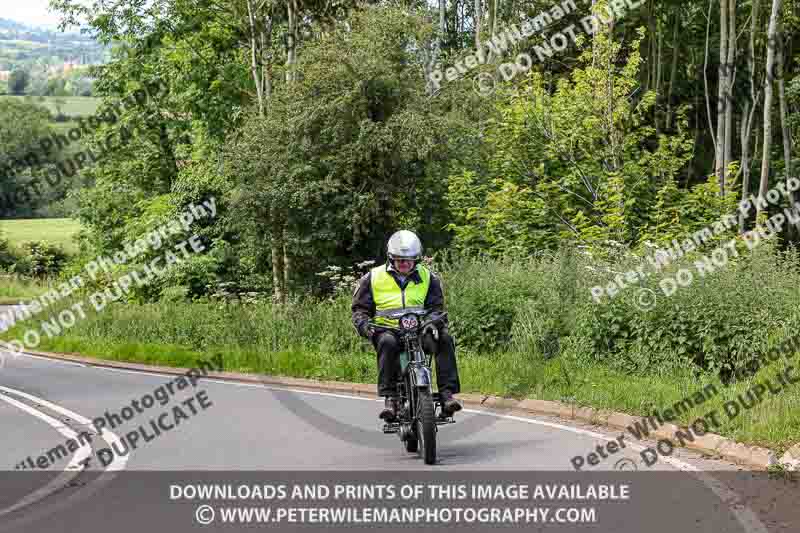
[{"x": 388, "y": 295}]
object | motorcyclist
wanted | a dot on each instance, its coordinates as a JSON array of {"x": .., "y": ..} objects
[{"x": 404, "y": 282}]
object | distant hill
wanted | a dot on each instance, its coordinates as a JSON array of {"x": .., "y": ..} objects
[
  {"x": 22, "y": 46},
  {"x": 8, "y": 24}
]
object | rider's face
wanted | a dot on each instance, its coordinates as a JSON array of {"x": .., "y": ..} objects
[{"x": 404, "y": 266}]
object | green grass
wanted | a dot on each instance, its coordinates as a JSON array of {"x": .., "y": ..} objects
[
  {"x": 59, "y": 231},
  {"x": 72, "y": 105}
]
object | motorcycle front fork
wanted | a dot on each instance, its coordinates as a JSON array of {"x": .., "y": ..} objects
[{"x": 405, "y": 406}]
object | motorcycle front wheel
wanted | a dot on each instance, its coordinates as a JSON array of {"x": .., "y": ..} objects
[
  {"x": 412, "y": 445},
  {"x": 412, "y": 442},
  {"x": 426, "y": 426}
]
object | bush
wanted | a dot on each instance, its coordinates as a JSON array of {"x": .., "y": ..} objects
[
  {"x": 6, "y": 256},
  {"x": 493, "y": 304},
  {"x": 720, "y": 323},
  {"x": 63, "y": 117},
  {"x": 543, "y": 308},
  {"x": 41, "y": 259}
]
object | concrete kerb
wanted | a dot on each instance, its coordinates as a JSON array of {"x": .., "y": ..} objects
[
  {"x": 791, "y": 459},
  {"x": 710, "y": 444}
]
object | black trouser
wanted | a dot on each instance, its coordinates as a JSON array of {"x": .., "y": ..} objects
[{"x": 388, "y": 347}]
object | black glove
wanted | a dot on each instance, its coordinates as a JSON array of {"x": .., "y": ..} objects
[{"x": 365, "y": 330}]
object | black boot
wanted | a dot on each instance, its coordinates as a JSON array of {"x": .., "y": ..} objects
[
  {"x": 389, "y": 412},
  {"x": 449, "y": 404}
]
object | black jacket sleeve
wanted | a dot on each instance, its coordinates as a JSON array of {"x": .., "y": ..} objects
[
  {"x": 363, "y": 307},
  {"x": 435, "y": 298}
]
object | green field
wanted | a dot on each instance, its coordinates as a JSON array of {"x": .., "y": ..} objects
[
  {"x": 58, "y": 231},
  {"x": 70, "y": 105},
  {"x": 63, "y": 128},
  {"x": 20, "y": 43},
  {"x": 14, "y": 289}
]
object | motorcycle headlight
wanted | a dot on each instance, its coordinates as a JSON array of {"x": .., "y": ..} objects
[{"x": 409, "y": 322}]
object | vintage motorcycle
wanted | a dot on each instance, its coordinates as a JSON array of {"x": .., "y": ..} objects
[{"x": 417, "y": 419}]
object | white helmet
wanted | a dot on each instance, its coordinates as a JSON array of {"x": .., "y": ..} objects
[{"x": 404, "y": 244}]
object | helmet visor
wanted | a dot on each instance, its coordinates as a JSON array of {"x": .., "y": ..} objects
[{"x": 411, "y": 258}]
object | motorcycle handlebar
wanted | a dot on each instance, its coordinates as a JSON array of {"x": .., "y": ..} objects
[{"x": 438, "y": 318}]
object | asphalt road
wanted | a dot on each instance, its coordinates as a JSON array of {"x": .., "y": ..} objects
[{"x": 237, "y": 433}]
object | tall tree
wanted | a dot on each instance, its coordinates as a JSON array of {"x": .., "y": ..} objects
[
  {"x": 478, "y": 17},
  {"x": 785, "y": 132},
  {"x": 772, "y": 38},
  {"x": 340, "y": 156},
  {"x": 750, "y": 106},
  {"x": 260, "y": 24},
  {"x": 730, "y": 80},
  {"x": 22, "y": 128},
  {"x": 723, "y": 96},
  {"x": 674, "y": 68}
]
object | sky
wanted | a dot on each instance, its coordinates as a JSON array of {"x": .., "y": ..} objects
[{"x": 31, "y": 12}]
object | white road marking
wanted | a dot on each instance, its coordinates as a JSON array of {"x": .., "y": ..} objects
[
  {"x": 80, "y": 454},
  {"x": 74, "y": 467},
  {"x": 61, "y": 361},
  {"x": 109, "y": 436}
]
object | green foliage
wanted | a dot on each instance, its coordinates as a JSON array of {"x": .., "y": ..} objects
[
  {"x": 22, "y": 128},
  {"x": 493, "y": 303},
  {"x": 345, "y": 153},
  {"x": 678, "y": 213},
  {"x": 720, "y": 323},
  {"x": 537, "y": 308},
  {"x": 498, "y": 217},
  {"x": 343, "y": 282},
  {"x": 6, "y": 255},
  {"x": 40, "y": 259},
  {"x": 176, "y": 294},
  {"x": 576, "y": 162}
]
